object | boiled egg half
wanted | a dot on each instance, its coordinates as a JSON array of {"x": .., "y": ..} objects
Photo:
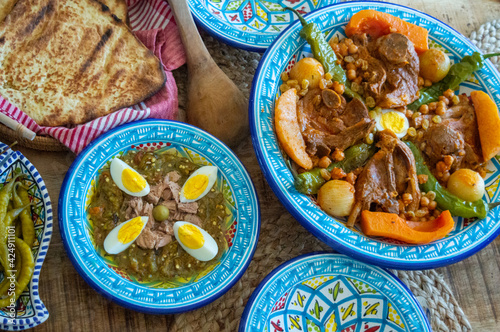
[
  {"x": 128, "y": 179},
  {"x": 198, "y": 184},
  {"x": 392, "y": 120},
  {"x": 195, "y": 240},
  {"x": 123, "y": 235}
]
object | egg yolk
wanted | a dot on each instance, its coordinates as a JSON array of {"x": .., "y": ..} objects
[
  {"x": 393, "y": 121},
  {"x": 190, "y": 236},
  {"x": 195, "y": 186},
  {"x": 133, "y": 181},
  {"x": 130, "y": 230}
]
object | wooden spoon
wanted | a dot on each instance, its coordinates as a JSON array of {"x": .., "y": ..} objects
[{"x": 215, "y": 103}]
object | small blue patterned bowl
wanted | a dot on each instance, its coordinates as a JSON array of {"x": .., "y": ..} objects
[
  {"x": 467, "y": 238},
  {"x": 178, "y": 295},
  {"x": 249, "y": 24},
  {"x": 326, "y": 292},
  {"x": 29, "y": 310}
]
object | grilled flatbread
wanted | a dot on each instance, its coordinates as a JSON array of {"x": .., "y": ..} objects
[{"x": 66, "y": 62}]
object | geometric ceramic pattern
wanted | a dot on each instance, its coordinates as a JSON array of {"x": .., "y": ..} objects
[
  {"x": 133, "y": 294},
  {"x": 249, "y": 24},
  {"x": 29, "y": 310},
  {"x": 228, "y": 225},
  {"x": 326, "y": 292},
  {"x": 468, "y": 236}
]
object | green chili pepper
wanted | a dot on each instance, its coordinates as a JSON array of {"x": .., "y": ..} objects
[
  {"x": 444, "y": 199},
  {"x": 322, "y": 52},
  {"x": 354, "y": 157},
  {"x": 4, "y": 233},
  {"x": 27, "y": 268},
  {"x": 458, "y": 73},
  {"x": 5, "y": 196},
  {"x": 21, "y": 197}
]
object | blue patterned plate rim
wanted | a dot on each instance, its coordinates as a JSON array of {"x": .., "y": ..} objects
[
  {"x": 41, "y": 313},
  {"x": 225, "y": 32},
  {"x": 265, "y": 153},
  {"x": 289, "y": 267},
  {"x": 148, "y": 307}
]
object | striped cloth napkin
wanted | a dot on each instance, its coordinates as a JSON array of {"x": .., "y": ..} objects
[{"x": 152, "y": 22}]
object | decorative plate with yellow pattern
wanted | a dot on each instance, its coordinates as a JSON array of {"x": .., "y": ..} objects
[{"x": 326, "y": 292}]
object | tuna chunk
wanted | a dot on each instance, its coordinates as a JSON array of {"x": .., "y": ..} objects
[{"x": 191, "y": 207}]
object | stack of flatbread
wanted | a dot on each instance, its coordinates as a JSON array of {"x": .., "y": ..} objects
[{"x": 66, "y": 62}]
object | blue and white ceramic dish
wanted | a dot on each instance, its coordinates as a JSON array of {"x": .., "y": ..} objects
[
  {"x": 242, "y": 229},
  {"x": 249, "y": 24},
  {"x": 326, "y": 292},
  {"x": 467, "y": 238},
  {"x": 29, "y": 310}
]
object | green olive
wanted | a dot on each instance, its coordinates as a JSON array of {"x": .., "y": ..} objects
[{"x": 161, "y": 213}]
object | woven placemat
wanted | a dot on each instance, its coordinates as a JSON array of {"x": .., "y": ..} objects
[{"x": 282, "y": 237}]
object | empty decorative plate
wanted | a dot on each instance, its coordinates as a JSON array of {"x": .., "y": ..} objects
[
  {"x": 28, "y": 310},
  {"x": 102, "y": 272},
  {"x": 468, "y": 237},
  {"x": 249, "y": 24},
  {"x": 325, "y": 292}
]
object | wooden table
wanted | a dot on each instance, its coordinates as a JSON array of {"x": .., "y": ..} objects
[{"x": 75, "y": 306}]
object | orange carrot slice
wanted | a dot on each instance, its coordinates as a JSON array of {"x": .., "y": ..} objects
[
  {"x": 288, "y": 130},
  {"x": 376, "y": 24},
  {"x": 417, "y": 232},
  {"x": 488, "y": 123}
]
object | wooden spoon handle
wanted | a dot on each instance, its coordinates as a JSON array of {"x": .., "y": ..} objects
[{"x": 196, "y": 52}]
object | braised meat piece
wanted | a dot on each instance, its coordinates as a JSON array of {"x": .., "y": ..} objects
[
  {"x": 328, "y": 122},
  {"x": 456, "y": 135},
  {"x": 390, "y": 173},
  {"x": 390, "y": 75}
]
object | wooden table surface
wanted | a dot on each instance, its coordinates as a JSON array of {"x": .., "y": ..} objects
[{"x": 75, "y": 306}]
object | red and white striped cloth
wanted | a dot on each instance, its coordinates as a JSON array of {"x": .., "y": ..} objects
[{"x": 152, "y": 22}]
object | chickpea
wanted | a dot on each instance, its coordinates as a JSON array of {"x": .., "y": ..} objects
[
  {"x": 351, "y": 74},
  {"x": 407, "y": 198},
  {"x": 427, "y": 83},
  {"x": 350, "y": 66},
  {"x": 448, "y": 160},
  {"x": 324, "y": 162},
  {"x": 432, "y": 106},
  {"x": 353, "y": 49},
  {"x": 440, "y": 110},
  {"x": 344, "y": 50},
  {"x": 449, "y": 93},
  {"x": 338, "y": 155},
  {"x": 339, "y": 88},
  {"x": 337, "y": 173},
  {"x": 424, "y": 109},
  {"x": 432, "y": 205},
  {"x": 421, "y": 81},
  {"x": 424, "y": 201},
  {"x": 444, "y": 100},
  {"x": 351, "y": 178}
]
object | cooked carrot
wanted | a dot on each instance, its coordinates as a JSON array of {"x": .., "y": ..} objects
[
  {"x": 377, "y": 24},
  {"x": 390, "y": 225},
  {"x": 288, "y": 130},
  {"x": 488, "y": 123}
]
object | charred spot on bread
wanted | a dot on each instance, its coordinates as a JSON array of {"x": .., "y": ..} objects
[
  {"x": 2, "y": 40},
  {"x": 104, "y": 39},
  {"x": 38, "y": 18},
  {"x": 116, "y": 18}
]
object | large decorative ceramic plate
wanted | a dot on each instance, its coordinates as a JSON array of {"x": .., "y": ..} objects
[
  {"x": 331, "y": 292},
  {"x": 99, "y": 270},
  {"x": 29, "y": 310},
  {"x": 249, "y": 24},
  {"x": 467, "y": 238}
]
